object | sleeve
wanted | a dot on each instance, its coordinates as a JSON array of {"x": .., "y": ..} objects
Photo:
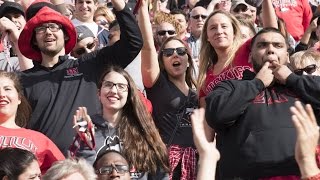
[
  {"x": 126, "y": 49},
  {"x": 86, "y": 153},
  {"x": 307, "y": 14},
  {"x": 229, "y": 100},
  {"x": 52, "y": 154},
  {"x": 301, "y": 47},
  {"x": 306, "y": 87}
]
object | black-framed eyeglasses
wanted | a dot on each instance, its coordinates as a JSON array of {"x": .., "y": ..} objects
[
  {"x": 163, "y": 32},
  {"x": 53, "y": 27},
  {"x": 106, "y": 170},
  {"x": 181, "y": 51},
  {"x": 199, "y": 15},
  {"x": 240, "y": 8},
  {"x": 82, "y": 50},
  {"x": 308, "y": 69},
  {"x": 121, "y": 87}
]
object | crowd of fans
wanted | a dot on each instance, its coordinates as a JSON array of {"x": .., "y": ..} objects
[{"x": 162, "y": 89}]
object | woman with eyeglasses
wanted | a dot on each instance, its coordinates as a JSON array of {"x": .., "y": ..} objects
[
  {"x": 306, "y": 62},
  {"x": 125, "y": 125},
  {"x": 169, "y": 84}
]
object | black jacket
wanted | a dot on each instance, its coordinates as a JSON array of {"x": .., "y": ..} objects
[
  {"x": 56, "y": 93},
  {"x": 255, "y": 133}
]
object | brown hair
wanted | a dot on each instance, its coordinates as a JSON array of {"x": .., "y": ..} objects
[
  {"x": 142, "y": 144},
  {"x": 190, "y": 70},
  {"x": 24, "y": 109},
  {"x": 104, "y": 11}
]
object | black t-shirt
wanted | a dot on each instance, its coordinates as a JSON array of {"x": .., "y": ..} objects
[{"x": 171, "y": 110}]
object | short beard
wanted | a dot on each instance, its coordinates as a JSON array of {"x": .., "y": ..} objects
[{"x": 256, "y": 67}]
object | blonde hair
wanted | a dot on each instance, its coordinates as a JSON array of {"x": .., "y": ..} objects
[
  {"x": 104, "y": 11},
  {"x": 300, "y": 58},
  {"x": 208, "y": 55},
  {"x": 161, "y": 17}
]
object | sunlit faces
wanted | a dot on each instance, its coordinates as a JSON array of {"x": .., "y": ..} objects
[
  {"x": 31, "y": 172},
  {"x": 85, "y": 46},
  {"x": 220, "y": 31},
  {"x": 224, "y": 5},
  {"x": 113, "y": 98},
  {"x": 51, "y": 41},
  {"x": 9, "y": 98},
  {"x": 176, "y": 64},
  {"x": 246, "y": 33},
  {"x": 112, "y": 159},
  {"x": 17, "y": 19},
  {"x": 102, "y": 21},
  {"x": 306, "y": 67},
  {"x": 196, "y": 20},
  {"x": 181, "y": 19},
  {"x": 85, "y": 9},
  {"x": 270, "y": 46},
  {"x": 164, "y": 31}
]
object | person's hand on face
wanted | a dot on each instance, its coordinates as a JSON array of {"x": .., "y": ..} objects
[
  {"x": 281, "y": 72},
  {"x": 265, "y": 74}
]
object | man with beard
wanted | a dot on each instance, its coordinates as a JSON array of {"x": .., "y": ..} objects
[
  {"x": 57, "y": 84},
  {"x": 255, "y": 133}
]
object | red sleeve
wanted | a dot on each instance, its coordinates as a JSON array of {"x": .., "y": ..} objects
[
  {"x": 51, "y": 155},
  {"x": 146, "y": 102},
  {"x": 307, "y": 14}
]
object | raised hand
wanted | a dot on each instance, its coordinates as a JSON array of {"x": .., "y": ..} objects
[{"x": 81, "y": 120}]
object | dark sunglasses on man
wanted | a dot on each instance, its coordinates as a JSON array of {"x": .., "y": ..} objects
[
  {"x": 164, "y": 32},
  {"x": 181, "y": 51},
  {"x": 199, "y": 15},
  {"x": 308, "y": 69},
  {"x": 82, "y": 50}
]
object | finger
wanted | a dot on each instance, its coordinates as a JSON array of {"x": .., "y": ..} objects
[
  {"x": 266, "y": 65},
  {"x": 297, "y": 125},
  {"x": 276, "y": 64},
  {"x": 300, "y": 118},
  {"x": 311, "y": 114}
]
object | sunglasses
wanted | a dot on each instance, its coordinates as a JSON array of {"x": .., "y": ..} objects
[
  {"x": 181, "y": 51},
  {"x": 163, "y": 32},
  {"x": 199, "y": 15},
  {"x": 240, "y": 8},
  {"x": 309, "y": 70},
  {"x": 82, "y": 50}
]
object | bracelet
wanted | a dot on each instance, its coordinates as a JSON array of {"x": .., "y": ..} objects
[{"x": 315, "y": 177}]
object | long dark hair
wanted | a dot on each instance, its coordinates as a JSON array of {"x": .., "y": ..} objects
[
  {"x": 142, "y": 144},
  {"x": 14, "y": 161},
  {"x": 190, "y": 70},
  {"x": 24, "y": 109}
]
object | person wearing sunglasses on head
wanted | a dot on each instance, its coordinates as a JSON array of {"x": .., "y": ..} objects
[
  {"x": 86, "y": 42},
  {"x": 306, "y": 62},
  {"x": 168, "y": 79}
]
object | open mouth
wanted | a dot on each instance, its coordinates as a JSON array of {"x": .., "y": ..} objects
[{"x": 176, "y": 64}]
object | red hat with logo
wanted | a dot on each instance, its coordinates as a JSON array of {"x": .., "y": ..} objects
[{"x": 45, "y": 15}]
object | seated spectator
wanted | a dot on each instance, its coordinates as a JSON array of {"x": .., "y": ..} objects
[
  {"x": 306, "y": 62},
  {"x": 125, "y": 125},
  {"x": 14, "y": 116},
  {"x": 86, "y": 42},
  {"x": 111, "y": 164},
  {"x": 18, "y": 164},
  {"x": 70, "y": 169}
]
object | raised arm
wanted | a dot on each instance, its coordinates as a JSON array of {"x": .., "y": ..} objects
[
  {"x": 269, "y": 17},
  {"x": 150, "y": 69}
]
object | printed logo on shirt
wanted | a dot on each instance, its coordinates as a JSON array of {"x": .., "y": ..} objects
[
  {"x": 18, "y": 142},
  {"x": 284, "y": 5},
  {"x": 274, "y": 97},
  {"x": 232, "y": 73},
  {"x": 72, "y": 72}
]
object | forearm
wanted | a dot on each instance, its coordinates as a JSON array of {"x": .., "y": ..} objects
[
  {"x": 308, "y": 168},
  {"x": 306, "y": 36},
  {"x": 269, "y": 17},
  {"x": 207, "y": 167}
]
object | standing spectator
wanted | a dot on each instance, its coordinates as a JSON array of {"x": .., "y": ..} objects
[
  {"x": 18, "y": 164},
  {"x": 84, "y": 11},
  {"x": 171, "y": 76},
  {"x": 46, "y": 39},
  {"x": 86, "y": 42},
  {"x": 14, "y": 116},
  {"x": 261, "y": 118},
  {"x": 11, "y": 24},
  {"x": 246, "y": 11},
  {"x": 125, "y": 125},
  {"x": 182, "y": 19},
  {"x": 296, "y": 14},
  {"x": 198, "y": 15}
]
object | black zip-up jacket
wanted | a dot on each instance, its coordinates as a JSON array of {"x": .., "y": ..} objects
[
  {"x": 56, "y": 93},
  {"x": 255, "y": 134}
]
